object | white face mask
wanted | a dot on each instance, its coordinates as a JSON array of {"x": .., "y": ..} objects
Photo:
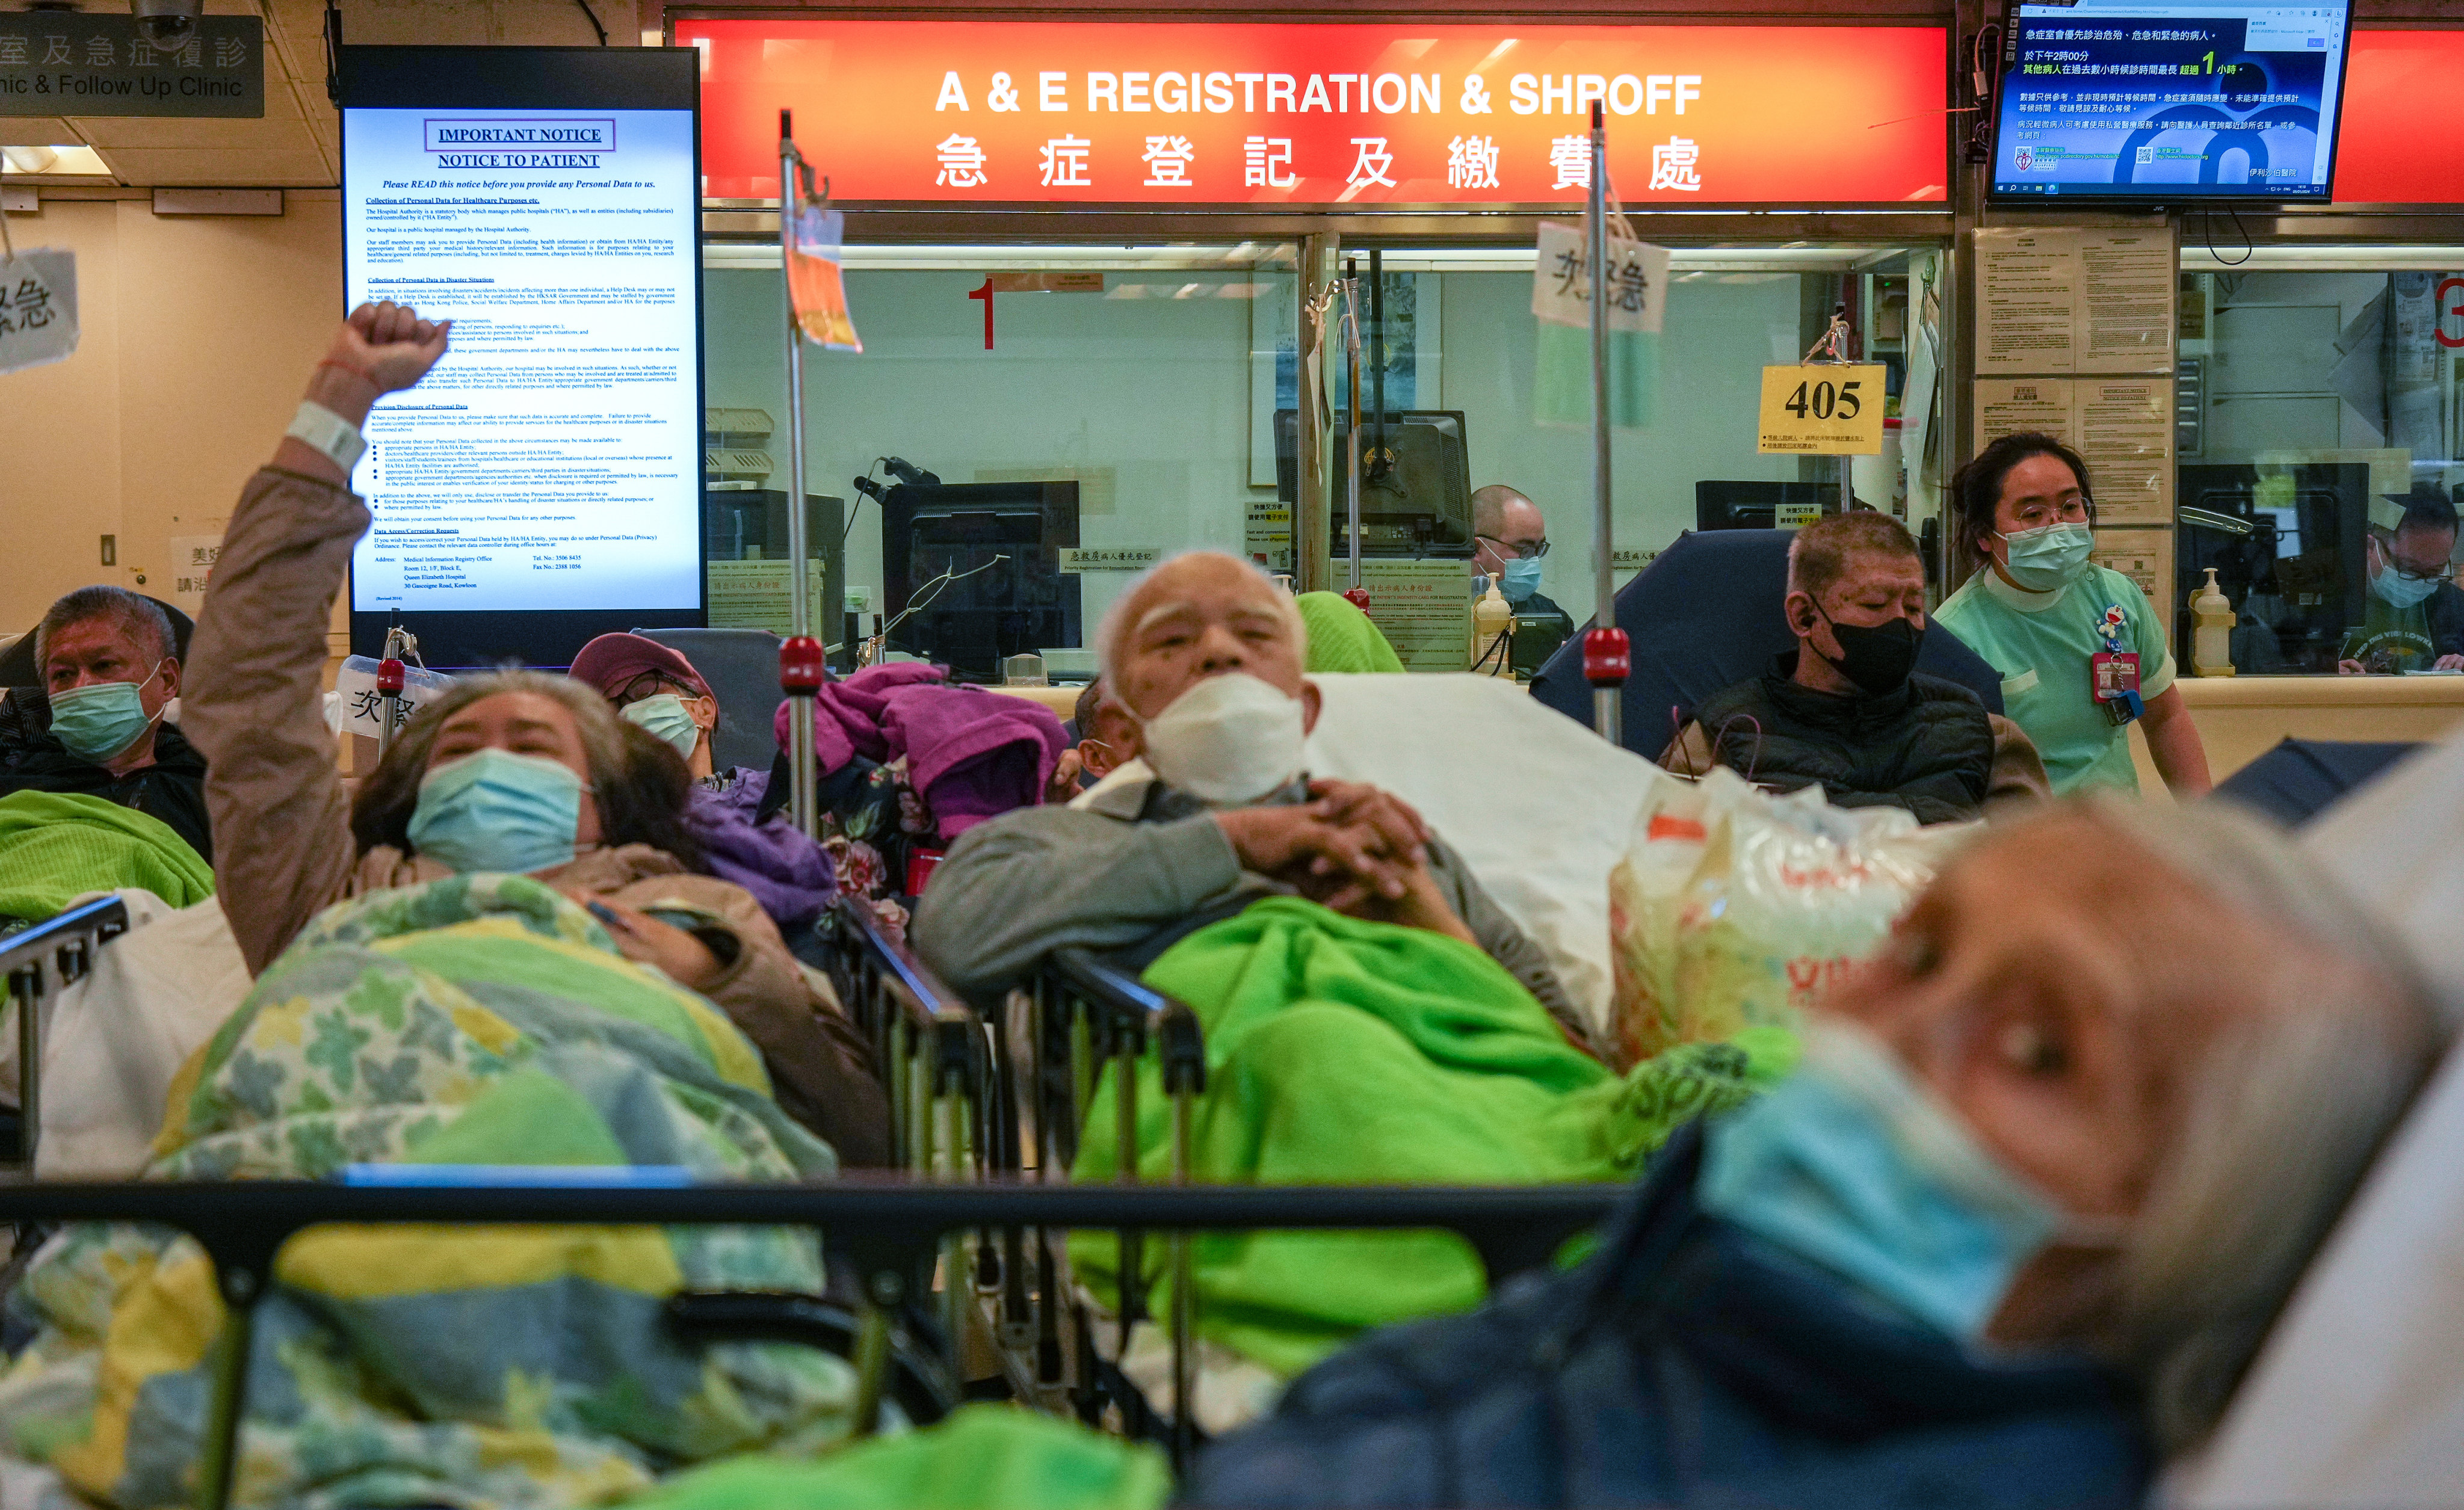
[{"x": 1230, "y": 739}]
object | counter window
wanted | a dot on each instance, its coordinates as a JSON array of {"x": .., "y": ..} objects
[
  {"x": 2317, "y": 420},
  {"x": 1129, "y": 402}
]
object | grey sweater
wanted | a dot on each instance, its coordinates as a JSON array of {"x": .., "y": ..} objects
[{"x": 1139, "y": 859}]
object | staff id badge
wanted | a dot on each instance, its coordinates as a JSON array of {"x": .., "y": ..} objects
[{"x": 2113, "y": 676}]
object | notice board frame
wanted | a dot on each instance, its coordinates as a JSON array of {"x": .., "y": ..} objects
[{"x": 541, "y": 79}]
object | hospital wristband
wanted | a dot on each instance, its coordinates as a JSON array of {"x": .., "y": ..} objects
[{"x": 327, "y": 433}]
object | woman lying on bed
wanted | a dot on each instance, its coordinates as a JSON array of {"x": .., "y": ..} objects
[{"x": 511, "y": 773}]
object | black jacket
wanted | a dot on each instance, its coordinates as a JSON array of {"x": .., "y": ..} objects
[
  {"x": 173, "y": 789},
  {"x": 2447, "y": 619},
  {"x": 1927, "y": 747},
  {"x": 1686, "y": 1363}
]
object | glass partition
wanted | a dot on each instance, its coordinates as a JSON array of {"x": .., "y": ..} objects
[
  {"x": 2317, "y": 426},
  {"x": 1150, "y": 379}
]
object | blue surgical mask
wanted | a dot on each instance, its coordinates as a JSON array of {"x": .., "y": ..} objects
[
  {"x": 1851, "y": 1165},
  {"x": 665, "y": 717},
  {"x": 101, "y": 719},
  {"x": 2050, "y": 558},
  {"x": 1521, "y": 579},
  {"x": 2402, "y": 592},
  {"x": 497, "y": 811}
]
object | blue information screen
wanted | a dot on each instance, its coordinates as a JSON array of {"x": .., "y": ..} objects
[{"x": 2170, "y": 101}]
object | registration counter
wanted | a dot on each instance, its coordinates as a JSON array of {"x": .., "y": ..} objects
[{"x": 2242, "y": 717}]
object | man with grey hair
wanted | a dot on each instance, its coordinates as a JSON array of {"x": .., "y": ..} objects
[
  {"x": 1210, "y": 810},
  {"x": 110, "y": 668},
  {"x": 2009, "y": 1237}
]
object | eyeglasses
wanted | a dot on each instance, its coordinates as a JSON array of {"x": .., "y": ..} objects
[
  {"x": 1524, "y": 553},
  {"x": 2404, "y": 574}
]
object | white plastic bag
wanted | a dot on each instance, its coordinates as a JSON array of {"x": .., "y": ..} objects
[{"x": 1732, "y": 908}]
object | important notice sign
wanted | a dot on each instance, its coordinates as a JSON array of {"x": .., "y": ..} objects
[
  {"x": 1322, "y": 115},
  {"x": 64, "y": 63}
]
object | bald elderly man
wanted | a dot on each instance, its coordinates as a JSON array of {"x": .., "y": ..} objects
[
  {"x": 1201, "y": 660},
  {"x": 1508, "y": 539},
  {"x": 2006, "y": 1241}
]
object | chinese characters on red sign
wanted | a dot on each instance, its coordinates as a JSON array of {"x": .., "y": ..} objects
[{"x": 1314, "y": 116}]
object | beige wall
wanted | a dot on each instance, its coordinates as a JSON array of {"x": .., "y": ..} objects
[{"x": 196, "y": 336}]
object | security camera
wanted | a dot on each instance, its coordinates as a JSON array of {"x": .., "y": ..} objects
[{"x": 166, "y": 23}]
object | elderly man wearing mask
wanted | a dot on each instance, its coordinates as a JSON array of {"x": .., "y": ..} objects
[
  {"x": 111, "y": 671},
  {"x": 1202, "y": 660},
  {"x": 2009, "y": 1237}
]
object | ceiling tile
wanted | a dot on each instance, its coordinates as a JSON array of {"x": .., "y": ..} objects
[
  {"x": 36, "y": 131},
  {"x": 221, "y": 170},
  {"x": 273, "y": 133}
]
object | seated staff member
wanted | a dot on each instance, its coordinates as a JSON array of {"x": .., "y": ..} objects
[
  {"x": 2081, "y": 653},
  {"x": 1204, "y": 658},
  {"x": 513, "y": 773},
  {"x": 110, "y": 668},
  {"x": 1846, "y": 709},
  {"x": 2414, "y": 621}
]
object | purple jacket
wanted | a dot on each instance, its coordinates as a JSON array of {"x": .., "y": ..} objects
[
  {"x": 971, "y": 754},
  {"x": 790, "y": 875},
  {"x": 974, "y": 754}
]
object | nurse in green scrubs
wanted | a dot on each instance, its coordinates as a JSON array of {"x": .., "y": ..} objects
[{"x": 2060, "y": 627}]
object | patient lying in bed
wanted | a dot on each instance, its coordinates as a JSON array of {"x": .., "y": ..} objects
[{"x": 1204, "y": 659}]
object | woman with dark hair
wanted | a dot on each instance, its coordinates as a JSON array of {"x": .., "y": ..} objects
[
  {"x": 509, "y": 773},
  {"x": 2081, "y": 651}
]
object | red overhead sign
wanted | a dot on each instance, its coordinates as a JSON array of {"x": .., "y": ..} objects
[
  {"x": 2402, "y": 138},
  {"x": 1316, "y": 116}
]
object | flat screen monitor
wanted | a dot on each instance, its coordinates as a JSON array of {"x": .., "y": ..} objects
[
  {"x": 2170, "y": 102},
  {"x": 544, "y": 485},
  {"x": 975, "y": 570},
  {"x": 1750, "y": 504},
  {"x": 1415, "y": 481}
]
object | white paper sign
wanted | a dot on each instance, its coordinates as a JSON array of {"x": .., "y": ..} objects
[
  {"x": 364, "y": 706},
  {"x": 1561, "y": 286},
  {"x": 38, "y": 318},
  {"x": 193, "y": 566}
]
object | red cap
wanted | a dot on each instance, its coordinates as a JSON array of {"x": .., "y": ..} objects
[{"x": 613, "y": 662}]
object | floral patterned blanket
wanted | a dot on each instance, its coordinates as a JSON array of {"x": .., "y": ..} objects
[{"x": 477, "y": 1020}]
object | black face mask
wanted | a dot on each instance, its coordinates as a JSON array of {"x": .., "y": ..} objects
[{"x": 1877, "y": 657}]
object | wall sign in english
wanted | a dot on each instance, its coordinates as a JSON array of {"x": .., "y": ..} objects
[
  {"x": 67, "y": 63},
  {"x": 1323, "y": 115},
  {"x": 545, "y": 482}
]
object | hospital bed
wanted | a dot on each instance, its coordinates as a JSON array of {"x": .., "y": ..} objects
[{"x": 38, "y": 963}]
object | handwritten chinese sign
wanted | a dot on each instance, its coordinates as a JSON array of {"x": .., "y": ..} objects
[
  {"x": 1561, "y": 280},
  {"x": 1306, "y": 115},
  {"x": 364, "y": 706},
  {"x": 38, "y": 318},
  {"x": 72, "y": 64}
]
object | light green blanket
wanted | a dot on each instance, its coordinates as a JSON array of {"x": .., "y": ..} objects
[
  {"x": 1341, "y": 638},
  {"x": 983, "y": 1457},
  {"x": 483, "y": 1019},
  {"x": 1348, "y": 1053},
  {"x": 56, "y": 846}
]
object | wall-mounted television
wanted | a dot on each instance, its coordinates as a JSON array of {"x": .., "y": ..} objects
[{"x": 2169, "y": 103}]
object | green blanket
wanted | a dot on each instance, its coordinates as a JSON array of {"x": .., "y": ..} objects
[
  {"x": 1348, "y": 1053},
  {"x": 983, "y": 1457},
  {"x": 55, "y": 847},
  {"x": 483, "y": 1019},
  {"x": 1341, "y": 638}
]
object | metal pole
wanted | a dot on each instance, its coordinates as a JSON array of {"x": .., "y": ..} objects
[
  {"x": 1607, "y": 702},
  {"x": 25, "y": 987},
  {"x": 1351, "y": 436},
  {"x": 800, "y": 609}
]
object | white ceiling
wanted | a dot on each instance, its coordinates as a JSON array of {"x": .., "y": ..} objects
[{"x": 296, "y": 144}]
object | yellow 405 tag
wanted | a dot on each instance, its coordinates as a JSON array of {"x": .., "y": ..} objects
[{"x": 1825, "y": 411}]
